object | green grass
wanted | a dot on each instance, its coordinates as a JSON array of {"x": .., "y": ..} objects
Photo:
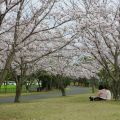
[
  {"x": 10, "y": 89},
  {"x": 76, "y": 107},
  {"x": 8, "y": 86}
]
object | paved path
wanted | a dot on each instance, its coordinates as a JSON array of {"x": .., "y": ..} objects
[{"x": 52, "y": 94}]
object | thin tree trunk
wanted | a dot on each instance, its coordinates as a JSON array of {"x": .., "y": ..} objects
[
  {"x": 19, "y": 82},
  {"x": 4, "y": 72},
  {"x": 93, "y": 85},
  {"x": 61, "y": 86},
  {"x": 116, "y": 90},
  {"x": 63, "y": 91}
]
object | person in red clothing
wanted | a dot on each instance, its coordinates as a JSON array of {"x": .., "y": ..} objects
[{"x": 101, "y": 95}]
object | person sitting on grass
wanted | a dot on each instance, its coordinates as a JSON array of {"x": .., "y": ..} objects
[
  {"x": 109, "y": 96},
  {"x": 101, "y": 95}
]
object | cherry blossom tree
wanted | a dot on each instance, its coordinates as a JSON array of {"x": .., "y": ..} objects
[
  {"x": 36, "y": 54},
  {"x": 99, "y": 34},
  {"x": 28, "y": 22}
]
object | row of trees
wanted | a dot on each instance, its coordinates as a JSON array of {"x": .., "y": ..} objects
[
  {"x": 42, "y": 80},
  {"x": 73, "y": 38},
  {"x": 29, "y": 31}
]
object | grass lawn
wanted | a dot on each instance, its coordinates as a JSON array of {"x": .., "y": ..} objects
[
  {"x": 76, "y": 107},
  {"x": 10, "y": 89},
  {"x": 8, "y": 86}
]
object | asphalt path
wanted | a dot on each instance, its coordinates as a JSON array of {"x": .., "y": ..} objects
[{"x": 52, "y": 94}]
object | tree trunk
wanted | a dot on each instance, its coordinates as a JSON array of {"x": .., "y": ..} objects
[
  {"x": 93, "y": 85},
  {"x": 3, "y": 75},
  {"x": 63, "y": 91},
  {"x": 61, "y": 86},
  {"x": 51, "y": 84},
  {"x": 93, "y": 89},
  {"x": 4, "y": 72},
  {"x": 116, "y": 90},
  {"x": 18, "y": 92}
]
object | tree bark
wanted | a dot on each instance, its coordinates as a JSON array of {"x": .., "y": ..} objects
[
  {"x": 4, "y": 72},
  {"x": 18, "y": 92},
  {"x": 63, "y": 91},
  {"x": 116, "y": 90}
]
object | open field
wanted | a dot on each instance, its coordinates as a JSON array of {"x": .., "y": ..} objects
[{"x": 76, "y": 107}]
